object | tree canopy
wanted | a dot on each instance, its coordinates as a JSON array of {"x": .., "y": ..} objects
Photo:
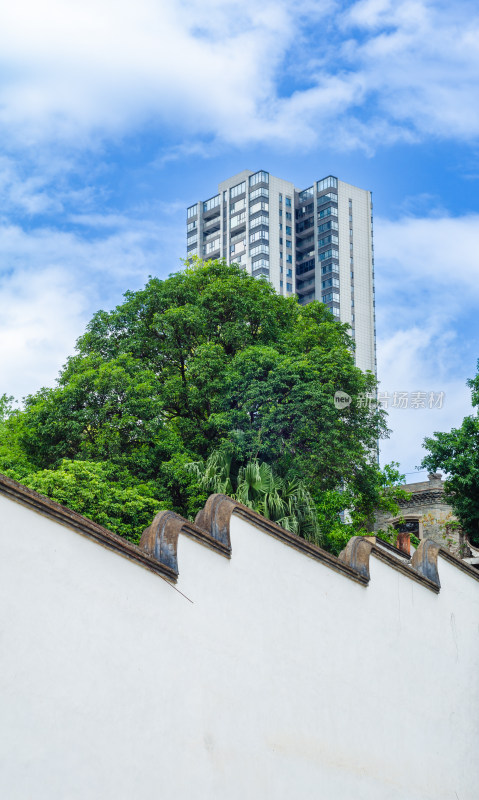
[
  {"x": 210, "y": 359},
  {"x": 457, "y": 453}
]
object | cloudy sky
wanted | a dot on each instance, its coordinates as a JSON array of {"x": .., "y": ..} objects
[{"x": 115, "y": 116}]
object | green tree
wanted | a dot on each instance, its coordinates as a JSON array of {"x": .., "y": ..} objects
[
  {"x": 287, "y": 502},
  {"x": 457, "y": 454},
  {"x": 110, "y": 496},
  {"x": 209, "y": 359}
]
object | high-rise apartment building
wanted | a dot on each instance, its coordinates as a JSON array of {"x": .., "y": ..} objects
[{"x": 316, "y": 243}]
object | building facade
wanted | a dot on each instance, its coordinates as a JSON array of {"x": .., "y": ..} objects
[
  {"x": 316, "y": 243},
  {"x": 427, "y": 514}
]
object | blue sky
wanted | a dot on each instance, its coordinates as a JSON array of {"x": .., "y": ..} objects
[{"x": 114, "y": 116}]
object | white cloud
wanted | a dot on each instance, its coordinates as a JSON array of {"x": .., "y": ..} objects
[
  {"x": 52, "y": 282},
  {"x": 373, "y": 71},
  {"x": 427, "y": 291}
]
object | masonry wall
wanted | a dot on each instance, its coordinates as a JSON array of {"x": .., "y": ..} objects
[
  {"x": 273, "y": 674},
  {"x": 426, "y": 503}
]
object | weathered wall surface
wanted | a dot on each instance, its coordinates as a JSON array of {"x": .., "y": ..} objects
[
  {"x": 267, "y": 675},
  {"x": 427, "y": 504}
]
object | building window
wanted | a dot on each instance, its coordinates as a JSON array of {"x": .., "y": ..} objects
[
  {"x": 263, "y": 191},
  {"x": 238, "y": 189},
  {"x": 330, "y": 211},
  {"x": 333, "y": 239},
  {"x": 261, "y": 220},
  {"x": 288, "y": 215},
  {"x": 329, "y": 254},
  {"x": 191, "y": 226},
  {"x": 281, "y": 284},
  {"x": 289, "y": 287},
  {"x": 259, "y": 177},
  {"x": 332, "y": 225},
  {"x": 330, "y": 268},
  {"x": 213, "y": 202},
  {"x": 289, "y": 273},
  {"x": 260, "y": 248},
  {"x": 238, "y": 206},
  {"x": 288, "y": 201},
  {"x": 306, "y": 194},
  {"x": 262, "y": 205},
  {"x": 288, "y": 230},
  {"x": 192, "y": 211},
  {"x": 289, "y": 259},
  {"x": 288, "y": 242},
  {"x": 280, "y": 198},
  {"x": 328, "y": 183},
  {"x": 237, "y": 219},
  {"x": 254, "y": 237}
]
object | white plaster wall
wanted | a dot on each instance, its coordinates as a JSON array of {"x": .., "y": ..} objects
[{"x": 266, "y": 676}]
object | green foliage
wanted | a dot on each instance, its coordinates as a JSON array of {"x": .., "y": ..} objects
[
  {"x": 108, "y": 495},
  {"x": 210, "y": 360},
  {"x": 457, "y": 454},
  {"x": 255, "y": 484}
]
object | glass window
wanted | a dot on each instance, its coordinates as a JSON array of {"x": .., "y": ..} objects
[
  {"x": 304, "y": 196},
  {"x": 327, "y": 183},
  {"x": 237, "y": 219},
  {"x": 238, "y": 189},
  {"x": 288, "y": 242},
  {"x": 330, "y": 282},
  {"x": 288, "y": 215},
  {"x": 281, "y": 284},
  {"x": 192, "y": 211},
  {"x": 238, "y": 206},
  {"x": 191, "y": 226},
  {"x": 330, "y": 268},
  {"x": 289, "y": 287},
  {"x": 211, "y": 203},
  {"x": 210, "y": 247},
  {"x": 280, "y": 198},
  {"x": 288, "y": 230},
  {"x": 263, "y": 191},
  {"x": 289, "y": 259},
  {"x": 254, "y": 237},
  {"x": 289, "y": 273},
  {"x": 332, "y": 225},
  {"x": 327, "y": 212},
  {"x": 261, "y": 220},
  {"x": 259, "y": 248},
  {"x": 260, "y": 206},
  {"x": 260, "y": 263},
  {"x": 288, "y": 201},
  {"x": 259, "y": 177},
  {"x": 332, "y": 297},
  {"x": 332, "y": 239},
  {"x": 328, "y": 254},
  {"x": 325, "y": 198}
]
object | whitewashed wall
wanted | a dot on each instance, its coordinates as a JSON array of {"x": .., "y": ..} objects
[{"x": 267, "y": 676}]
